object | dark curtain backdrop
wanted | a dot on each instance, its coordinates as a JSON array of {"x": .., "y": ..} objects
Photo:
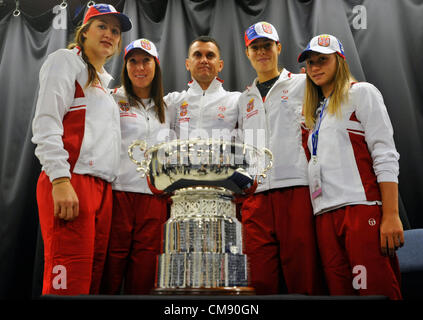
[{"x": 385, "y": 53}]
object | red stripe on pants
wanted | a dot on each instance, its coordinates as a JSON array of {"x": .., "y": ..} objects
[
  {"x": 135, "y": 242},
  {"x": 279, "y": 237},
  {"x": 349, "y": 237},
  {"x": 80, "y": 245}
]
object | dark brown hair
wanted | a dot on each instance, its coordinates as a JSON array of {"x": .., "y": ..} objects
[
  {"x": 205, "y": 39},
  {"x": 156, "y": 92}
]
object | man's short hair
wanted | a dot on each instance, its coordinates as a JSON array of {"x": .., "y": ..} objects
[{"x": 205, "y": 39}]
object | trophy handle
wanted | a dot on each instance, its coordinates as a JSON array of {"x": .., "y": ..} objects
[
  {"x": 263, "y": 175},
  {"x": 143, "y": 165}
]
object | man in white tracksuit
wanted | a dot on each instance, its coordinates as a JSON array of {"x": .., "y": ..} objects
[{"x": 205, "y": 109}]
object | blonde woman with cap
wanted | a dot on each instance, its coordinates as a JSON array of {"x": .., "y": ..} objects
[
  {"x": 76, "y": 130},
  {"x": 278, "y": 221},
  {"x": 353, "y": 175},
  {"x": 138, "y": 215}
]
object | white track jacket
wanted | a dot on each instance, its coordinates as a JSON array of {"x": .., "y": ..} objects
[
  {"x": 76, "y": 129},
  {"x": 276, "y": 124},
  {"x": 198, "y": 112},
  {"x": 137, "y": 123},
  {"x": 356, "y": 151}
]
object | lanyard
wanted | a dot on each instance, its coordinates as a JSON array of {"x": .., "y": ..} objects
[{"x": 315, "y": 134}]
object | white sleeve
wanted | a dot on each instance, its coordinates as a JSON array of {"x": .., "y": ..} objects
[
  {"x": 56, "y": 93},
  {"x": 171, "y": 100},
  {"x": 371, "y": 112}
]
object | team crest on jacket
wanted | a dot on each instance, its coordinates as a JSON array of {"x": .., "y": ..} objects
[
  {"x": 250, "y": 108},
  {"x": 323, "y": 41},
  {"x": 123, "y": 105},
  {"x": 250, "y": 105},
  {"x": 183, "y": 109}
]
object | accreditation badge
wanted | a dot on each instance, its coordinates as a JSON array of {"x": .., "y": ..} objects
[{"x": 314, "y": 178}]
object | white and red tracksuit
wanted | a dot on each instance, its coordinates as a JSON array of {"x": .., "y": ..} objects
[
  {"x": 355, "y": 151},
  {"x": 77, "y": 133},
  {"x": 278, "y": 220},
  {"x": 211, "y": 113},
  {"x": 138, "y": 216}
]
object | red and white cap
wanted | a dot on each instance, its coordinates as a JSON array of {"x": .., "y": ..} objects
[
  {"x": 143, "y": 44},
  {"x": 260, "y": 30},
  {"x": 323, "y": 43},
  {"x": 103, "y": 9}
]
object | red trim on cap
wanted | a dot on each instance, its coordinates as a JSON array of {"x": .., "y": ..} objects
[{"x": 340, "y": 54}]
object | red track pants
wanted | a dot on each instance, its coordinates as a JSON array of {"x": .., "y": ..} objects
[
  {"x": 279, "y": 237},
  {"x": 135, "y": 242},
  {"x": 349, "y": 241},
  {"x": 74, "y": 251}
]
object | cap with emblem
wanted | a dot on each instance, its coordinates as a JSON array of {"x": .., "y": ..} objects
[
  {"x": 104, "y": 9},
  {"x": 324, "y": 43},
  {"x": 260, "y": 30},
  {"x": 143, "y": 44}
]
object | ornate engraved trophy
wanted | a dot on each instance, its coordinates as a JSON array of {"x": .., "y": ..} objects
[{"x": 202, "y": 239}]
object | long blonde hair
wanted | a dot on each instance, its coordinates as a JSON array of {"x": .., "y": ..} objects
[
  {"x": 78, "y": 41},
  {"x": 313, "y": 94}
]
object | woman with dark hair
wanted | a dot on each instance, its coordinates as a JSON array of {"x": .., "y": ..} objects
[
  {"x": 353, "y": 175},
  {"x": 76, "y": 130},
  {"x": 137, "y": 215}
]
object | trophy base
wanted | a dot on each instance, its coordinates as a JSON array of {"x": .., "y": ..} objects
[{"x": 218, "y": 291}]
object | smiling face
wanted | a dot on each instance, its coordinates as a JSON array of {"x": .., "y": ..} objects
[
  {"x": 102, "y": 37},
  {"x": 204, "y": 62},
  {"x": 321, "y": 68},
  {"x": 141, "y": 66},
  {"x": 263, "y": 55}
]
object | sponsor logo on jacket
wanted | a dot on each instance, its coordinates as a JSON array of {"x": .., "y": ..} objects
[{"x": 221, "y": 112}]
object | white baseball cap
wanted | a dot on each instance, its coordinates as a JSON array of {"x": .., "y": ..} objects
[
  {"x": 324, "y": 43},
  {"x": 260, "y": 30},
  {"x": 143, "y": 44}
]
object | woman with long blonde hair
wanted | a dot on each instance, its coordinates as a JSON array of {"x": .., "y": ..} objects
[
  {"x": 353, "y": 175},
  {"x": 76, "y": 130}
]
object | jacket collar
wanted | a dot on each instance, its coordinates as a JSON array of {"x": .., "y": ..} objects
[
  {"x": 195, "y": 88},
  {"x": 285, "y": 75}
]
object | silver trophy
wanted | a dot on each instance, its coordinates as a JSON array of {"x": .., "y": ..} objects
[{"x": 202, "y": 239}]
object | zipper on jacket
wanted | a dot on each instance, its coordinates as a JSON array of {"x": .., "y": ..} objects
[{"x": 200, "y": 125}]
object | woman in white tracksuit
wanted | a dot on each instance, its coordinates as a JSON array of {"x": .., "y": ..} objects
[
  {"x": 76, "y": 130},
  {"x": 353, "y": 175},
  {"x": 278, "y": 222},
  {"x": 138, "y": 215}
]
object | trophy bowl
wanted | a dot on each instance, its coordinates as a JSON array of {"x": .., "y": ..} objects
[{"x": 202, "y": 250}]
